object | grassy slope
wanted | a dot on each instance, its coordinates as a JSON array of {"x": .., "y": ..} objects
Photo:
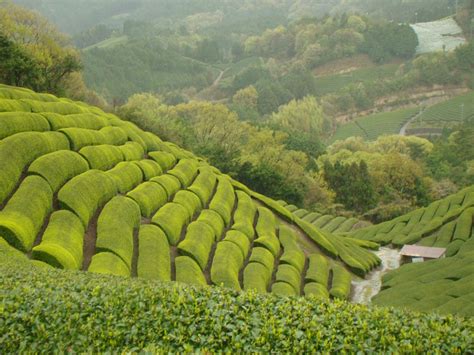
[{"x": 373, "y": 126}]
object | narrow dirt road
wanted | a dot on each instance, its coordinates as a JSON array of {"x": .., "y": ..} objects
[{"x": 403, "y": 130}]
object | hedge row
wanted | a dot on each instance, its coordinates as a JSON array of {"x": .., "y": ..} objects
[
  {"x": 189, "y": 272},
  {"x": 172, "y": 218},
  {"x": 316, "y": 290},
  {"x": 214, "y": 220},
  {"x": 15, "y": 93},
  {"x": 186, "y": 171},
  {"x": 154, "y": 261},
  {"x": 19, "y": 150},
  {"x": 150, "y": 169},
  {"x": 170, "y": 183},
  {"x": 62, "y": 242},
  {"x": 197, "y": 243},
  {"x": 204, "y": 184},
  {"x": 115, "y": 227},
  {"x": 341, "y": 282},
  {"x": 224, "y": 199},
  {"x": 102, "y": 157},
  {"x": 244, "y": 215},
  {"x": 164, "y": 159},
  {"x": 226, "y": 265},
  {"x": 16, "y": 122},
  {"x": 189, "y": 200},
  {"x": 256, "y": 277},
  {"x": 108, "y": 264},
  {"x": 62, "y": 107},
  {"x": 59, "y": 167},
  {"x": 81, "y": 120},
  {"x": 464, "y": 225},
  {"x": 318, "y": 270},
  {"x": 82, "y": 137},
  {"x": 150, "y": 197},
  {"x": 132, "y": 151},
  {"x": 266, "y": 231},
  {"x": 86, "y": 193},
  {"x": 125, "y": 176},
  {"x": 24, "y": 214},
  {"x": 290, "y": 275},
  {"x": 292, "y": 253}
]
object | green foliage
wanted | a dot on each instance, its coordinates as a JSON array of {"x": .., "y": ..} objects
[
  {"x": 203, "y": 185},
  {"x": 262, "y": 256},
  {"x": 316, "y": 290},
  {"x": 244, "y": 215},
  {"x": 190, "y": 201},
  {"x": 226, "y": 265},
  {"x": 290, "y": 275},
  {"x": 109, "y": 264},
  {"x": 86, "y": 193},
  {"x": 80, "y": 120},
  {"x": 171, "y": 218},
  {"x": 23, "y": 216},
  {"x": 341, "y": 282},
  {"x": 58, "y": 167},
  {"x": 224, "y": 199},
  {"x": 166, "y": 160},
  {"x": 185, "y": 171},
  {"x": 283, "y": 289},
  {"x": 318, "y": 270},
  {"x": 62, "y": 242},
  {"x": 149, "y": 168},
  {"x": 188, "y": 271},
  {"x": 19, "y": 150},
  {"x": 11, "y": 123},
  {"x": 239, "y": 239},
  {"x": 213, "y": 220},
  {"x": 133, "y": 151},
  {"x": 170, "y": 183},
  {"x": 81, "y": 137},
  {"x": 197, "y": 243},
  {"x": 125, "y": 176},
  {"x": 115, "y": 228},
  {"x": 149, "y": 196},
  {"x": 102, "y": 157},
  {"x": 256, "y": 277},
  {"x": 153, "y": 254}
]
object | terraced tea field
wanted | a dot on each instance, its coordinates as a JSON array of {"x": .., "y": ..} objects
[
  {"x": 446, "y": 113},
  {"x": 83, "y": 190},
  {"x": 373, "y": 126},
  {"x": 445, "y": 285},
  {"x": 327, "y": 84}
]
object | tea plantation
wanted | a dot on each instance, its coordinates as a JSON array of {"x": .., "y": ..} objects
[
  {"x": 82, "y": 190},
  {"x": 445, "y": 285}
]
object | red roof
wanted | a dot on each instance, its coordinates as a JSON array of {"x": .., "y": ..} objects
[{"x": 422, "y": 252}]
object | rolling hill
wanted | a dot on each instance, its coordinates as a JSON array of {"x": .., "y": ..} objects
[{"x": 82, "y": 190}]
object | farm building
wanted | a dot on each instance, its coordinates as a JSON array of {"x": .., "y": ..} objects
[{"x": 418, "y": 253}]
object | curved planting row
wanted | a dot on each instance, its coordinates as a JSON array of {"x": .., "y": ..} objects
[{"x": 83, "y": 190}]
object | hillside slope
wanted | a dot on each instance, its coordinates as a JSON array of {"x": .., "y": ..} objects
[
  {"x": 83, "y": 190},
  {"x": 445, "y": 285}
]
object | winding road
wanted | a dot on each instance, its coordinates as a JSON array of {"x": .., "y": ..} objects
[{"x": 403, "y": 130}]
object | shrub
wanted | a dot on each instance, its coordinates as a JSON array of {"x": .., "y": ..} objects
[
  {"x": 454, "y": 247},
  {"x": 125, "y": 176},
  {"x": 170, "y": 183},
  {"x": 316, "y": 290},
  {"x": 295, "y": 258},
  {"x": 197, "y": 243},
  {"x": 132, "y": 151},
  {"x": 334, "y": 224},
  {"x": 341, "y": 282},
  {"x": 290, "y": 275},
  {"x": 188, "y": 200},
  {"x": 171, "y": 218},
  {"x": 224, "y": 199},
  {"x": 300, "y": 213},
  {"x": 214, "y": 220},
  {"x": 62, "y": 242},
  {"x": 16, "y": 122},
  {"x": 266, "y": 223},
  {"x": 244, "y": 215},
  {"x": 61, "y": 107},
  {"x": 80, "y": 120},
  {"x": 23, "y": 216},
  {"x": 108, "y": 263},
  {"x": 318, "y": 270},
  {"x": 82, "y": 137},
  {"x": 164, "y": 159},
  {"x": 311, "y": 217},
  {"x": 154, "y": 260},
  {"x": 114, "y": 135},
  {"x": 263, "y": 256},
  {"x": 185, "y": 171},
  {"x": 86, "y": 193},
  {"x": 203, "y": 185},
  {"x": 239, "y": 239},
  {"x": 102, "y": 157},
  {"x": 269, "y": 242},
  {"x": 322, "y": 221},
  {"x": 445, "y": 235},
  {"x": 317, "y": 237},
  {"x": 150, "y": 197},
  {"x": 464, "y": 225},
  {"x": 149, "y": 168},
  {"x": 59, "y": 167},
  {"x": 283, "y": 289},
  {"x": 115, "y": 228},
  {"x": 256, "y": 277},
  {"x": 188, "y": 271},
  {"x": 19, "y": 150},
  {"x": 226, "y": 265}
]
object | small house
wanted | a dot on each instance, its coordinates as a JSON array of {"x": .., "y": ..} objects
[{"x": 418, "y": 253}]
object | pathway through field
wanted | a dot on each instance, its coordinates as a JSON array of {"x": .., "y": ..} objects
[
  {"x": 364, "y": 289},
  {"x": 403, "y": 130}
]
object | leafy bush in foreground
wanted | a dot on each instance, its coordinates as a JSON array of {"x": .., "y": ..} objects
[{"x": 47, "y": 310}]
